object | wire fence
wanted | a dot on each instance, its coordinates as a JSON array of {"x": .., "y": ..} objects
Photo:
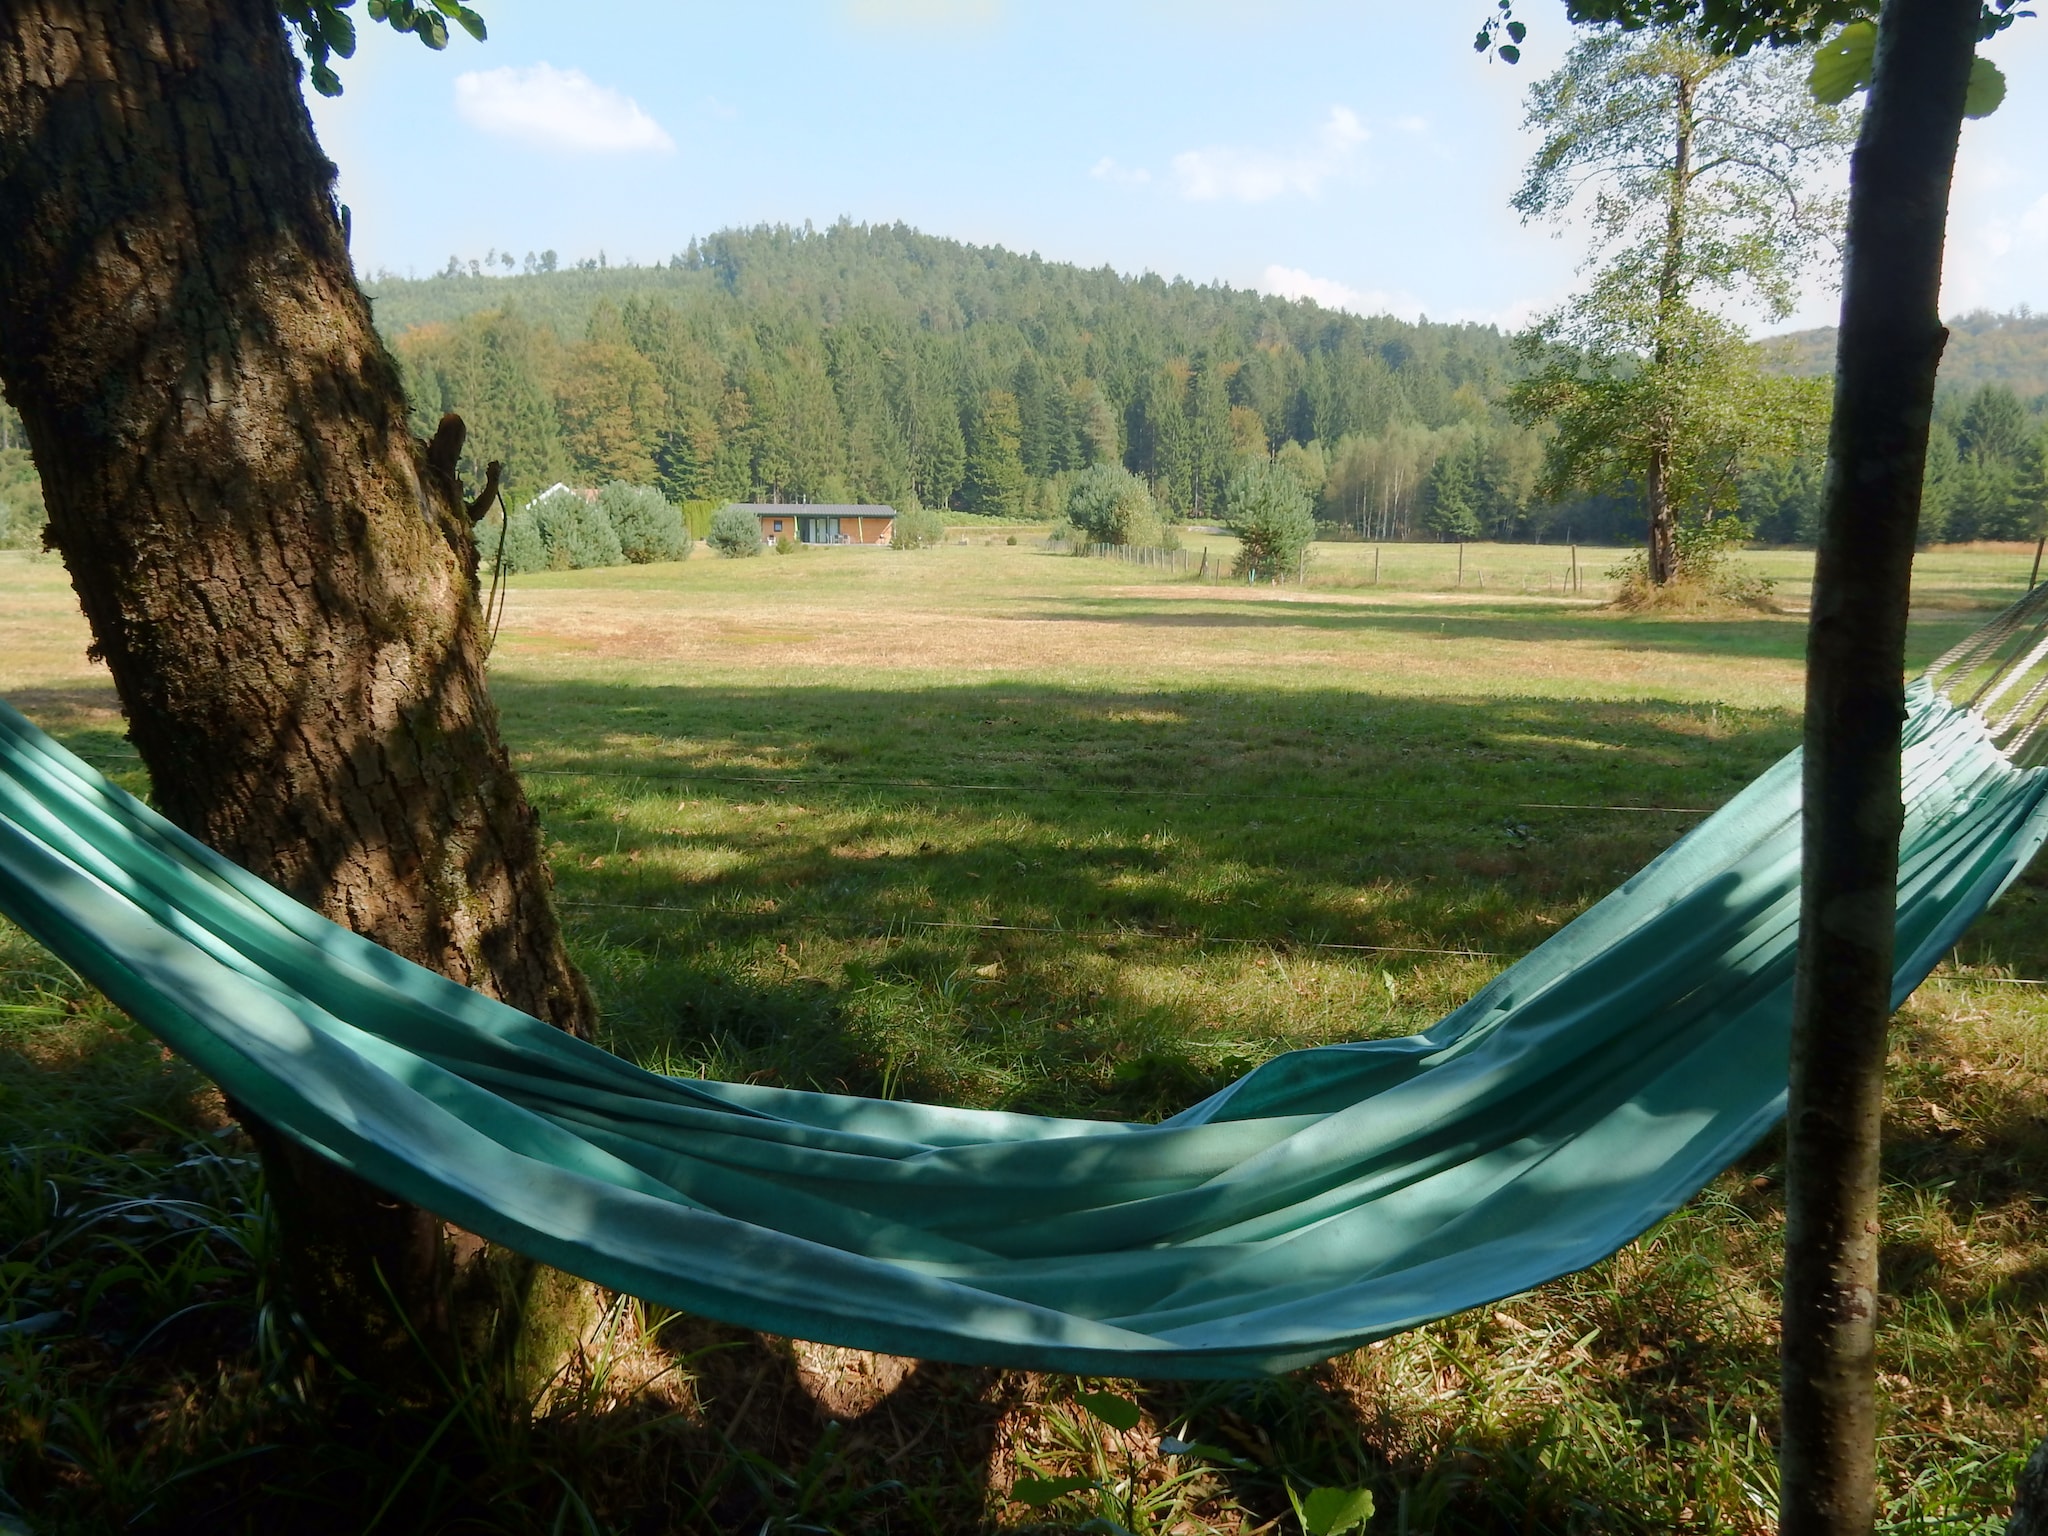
[{"x": 1179, "y": 562}]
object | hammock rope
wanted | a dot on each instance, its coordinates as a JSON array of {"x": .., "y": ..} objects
[{"x": 1330, "y": 1197}]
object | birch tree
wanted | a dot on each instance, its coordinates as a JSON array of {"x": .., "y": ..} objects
[{"x": 1700, "y": 177}]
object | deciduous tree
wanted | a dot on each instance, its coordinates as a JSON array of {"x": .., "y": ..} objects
[
  {"x": 280, "y": 577},
  {"x": 1695, "y": 173}
]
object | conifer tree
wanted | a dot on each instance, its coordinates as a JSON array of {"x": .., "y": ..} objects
[{"x": 995, "y": 467}]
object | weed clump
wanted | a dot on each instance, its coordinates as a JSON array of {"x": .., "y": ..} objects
[{"x": 1708, "y": 580}]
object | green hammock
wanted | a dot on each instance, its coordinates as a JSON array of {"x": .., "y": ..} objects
[{"x": 1328, "y": 1198}]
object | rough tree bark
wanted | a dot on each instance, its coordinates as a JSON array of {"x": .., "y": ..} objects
[
  {"x": 279, "y": 576},
  {"x": 1889, "y": 347}
]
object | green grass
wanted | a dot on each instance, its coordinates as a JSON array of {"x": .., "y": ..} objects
[{"x": 997, "y": 826}]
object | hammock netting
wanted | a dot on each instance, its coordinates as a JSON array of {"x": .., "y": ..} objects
[{"x": 1328, "y": 1198}]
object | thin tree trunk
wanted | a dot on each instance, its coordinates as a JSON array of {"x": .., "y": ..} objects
[
  {"x": 1663, "y": 531},
  {"x": 281, "y": 578},
  {"x": 1889, "y": 347}
]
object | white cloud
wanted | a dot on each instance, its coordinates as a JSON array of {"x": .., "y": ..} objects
[
  {"x": 1107, "y": 169},
  {"x": 1294, "y": 283},
  {"x": 1258, "y": 176},
  {"x": 556, "y": 109},
  {"x": 1412, "y": 124}
]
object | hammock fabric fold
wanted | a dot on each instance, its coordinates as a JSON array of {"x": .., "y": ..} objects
[{"x": 1330, "y": 1197}]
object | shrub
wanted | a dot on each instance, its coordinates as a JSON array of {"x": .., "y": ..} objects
[
  {"x": 520, "y": 536},
  {"x": 697, "y": 517},
  {"x": 575, "y": 534},
  {"x": 1110, "y": 505},
  {"x": 1265, "y": 506},
  {"x": 649, "y": 529},
  {"x": 787, "y": 544},
  {"x": 1706, "y": 581},
  {"x": 735, "y": 532},
  {"x": 917, "y": 528}
]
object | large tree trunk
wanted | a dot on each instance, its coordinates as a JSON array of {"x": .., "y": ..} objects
[
  {"x": 278, "y": 575},
  {"x": 1890, "y": 344}
]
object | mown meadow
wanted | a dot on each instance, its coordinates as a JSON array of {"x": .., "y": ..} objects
[{"x": 994, "y": 825}]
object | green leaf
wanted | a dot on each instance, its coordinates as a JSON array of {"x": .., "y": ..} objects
[
  {"x": 1987, "y": 89},
  {"x": 1516, "y": 31},
  {"x": 1841, "y": 67},
  {"x": 1168, "y": 1444},
  {"x": 1041, "y": 1491},
  {"x": 325, "y": 80},
  {"x": 463, "y": 16},
  {"x": 1509, "y": 52},
  {"x": 1332, "y": 1511},
  {"x": 1119, "y": 1413},
  {"x": 339, "y": 31}
]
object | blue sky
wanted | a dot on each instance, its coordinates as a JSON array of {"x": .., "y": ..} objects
[{"x": 1358, "y": 152}]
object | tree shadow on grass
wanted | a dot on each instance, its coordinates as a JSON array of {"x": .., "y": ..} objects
[
  {"x": 974, "y": 889},
  {"x": 1773, "y": 638}
]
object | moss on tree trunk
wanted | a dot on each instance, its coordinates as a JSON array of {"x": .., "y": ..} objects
[{"x": 279, "y": 578}]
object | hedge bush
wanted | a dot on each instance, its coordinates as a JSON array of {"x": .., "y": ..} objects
[
  {"x": 917, "y": 528},
  {"x": 735, "y": 532},
  {"x": 648, "y": 528},
  {"x": 1110, "y": 505}
]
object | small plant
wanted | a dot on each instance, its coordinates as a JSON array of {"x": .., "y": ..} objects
[
  {"x": 1331, "y": 1511},
  {"x": 735, "y": 532},
  {"x": 786, "y": 545}
]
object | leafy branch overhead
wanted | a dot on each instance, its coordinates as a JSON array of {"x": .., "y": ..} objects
[
  {"x": 1841, "y": 68},
  {"x": 325, "y": 31},
  {"x": 1725, "y": 26}
]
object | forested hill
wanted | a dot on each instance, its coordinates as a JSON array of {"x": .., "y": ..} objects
[
  {"x": 875, "y": 363},
  {"x": 1983, "y": 348}
]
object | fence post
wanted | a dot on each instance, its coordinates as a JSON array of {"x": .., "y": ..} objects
[
  {"x": 1461, "y": 564},
  {"x": 1375, "y": 565},
  {"x": 1576, "y": 584}
]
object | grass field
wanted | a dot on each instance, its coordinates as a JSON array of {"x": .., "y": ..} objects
[{"x": 997, "y": 826}]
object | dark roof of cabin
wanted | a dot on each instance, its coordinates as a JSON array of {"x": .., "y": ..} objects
[{"x": 816, "y": 510}]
